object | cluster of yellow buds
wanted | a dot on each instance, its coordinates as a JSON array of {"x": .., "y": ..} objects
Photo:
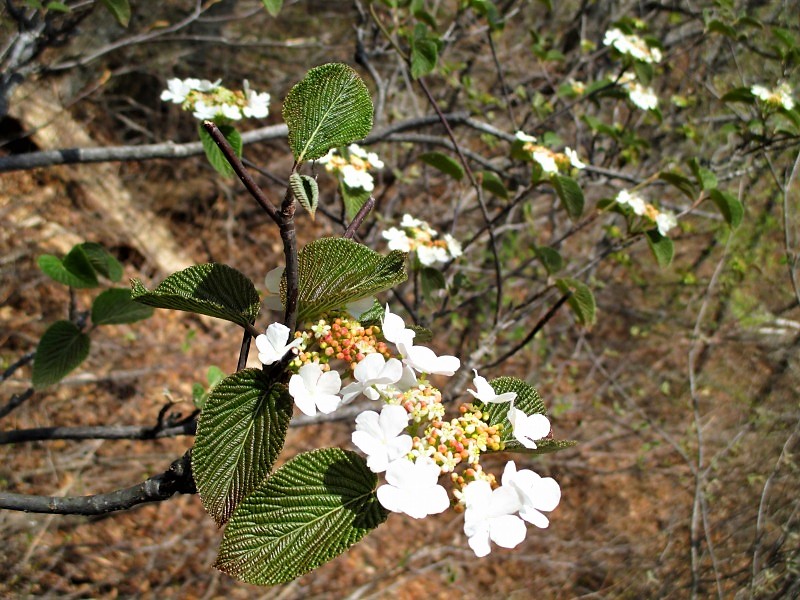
[{"x": 341, "y": 339}]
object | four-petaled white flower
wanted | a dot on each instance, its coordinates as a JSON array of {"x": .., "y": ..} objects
[
  {"x": 381, "y": 437},
  {"x": 313, "y": 389},
  {"x": 665, "y": 221},
  {"x": 535, "y": 493},
  {"x": 177, "y": 90},
  {"x": 485, "y": 393},
  {"x": 633, "y": 200},
  {"x": 412, "y": 488},
  {"x": 490, "y": 516},
  {"x": 230, "y": 111},
  {"x": 272, "y": 347},
  {"x": 203, "y": 111},
  {"x": 373, "y": 370},
  {"x": 528, "y": 428}
]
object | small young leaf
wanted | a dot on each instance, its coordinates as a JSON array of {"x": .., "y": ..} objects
[
  {"x": 330, "y": 107},
  {"x": 581, "y": 301},
  {"x": 102, "y": 262},
  {"x": 54, "y": 268},
  {"x": 730, "y": 207},
  {"x": 306, "y": 191},
  {"x": 570, "y": 194},
  {"x": 58, "y": 7},
  {"x": 120, "y": 10},
  {"x": 210, "y": 289},
  {"x": 662, "y": 247},
  {"x": 214, "y": 154},
  {"x": 740, "y": 94},
  {"x": 115, "y": 306},
  {"x": 273, "y": 6},
  {"x": 424, "y": 52},
  {"x": 550, "y": 259},
  {"x": 432, "y": 281},
  {"x": 684, "y": 184},
  {"x": 311, "y": 510},
  {"x": 704, "y": 177},
  {"x": 443, "y": 163},
  {"x": 62, "y": 348},
  {"x": 353, "y": 199},
  {"x": 493, "y": 184},
  {"x": 240, "y": 434}
]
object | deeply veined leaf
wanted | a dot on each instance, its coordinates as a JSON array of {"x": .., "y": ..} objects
[
  {"x": 83, "y": 277},
  {"x": 581, "y": 301},
  {"x": 115, "y": 306},
  {"x": 333, "y": 272},
  {"x": 730, "y": 207},
  {"x": 330, "y": 107},
  {"x": 311, "y": 510},
  {"x": 62, "y": 348},
  {"x": 273, "y": 6},
  {"x": 550, "y": 258},
  {"x": 492, "y": 183},
  {"x": 306, "y": 191},
  {"x": 102, "y": 261},
  {"x": 661, "y": 246},
  {"x": 570, "y": 194},
  {"x": 443, "y": 163},
  {"x": 240, "y": 434},
  {"x": 120, "y": 9},
  {"x": 210, "y": 289},
  {"x": 214, "y": 154}
]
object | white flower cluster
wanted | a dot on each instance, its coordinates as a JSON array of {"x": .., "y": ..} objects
[
  {"x": 408, "y": 439},
  {"x": 642, "y": 96},
  {"x": 551, "y": 162},
  {"x": 664, "y": 220},
  {"x": 632, "y": 45},
  {"x": 779, "y": 96},
  {"x": 210, "y": 101},
  {"x": 416, "y": 235},
  {"x": 352, "y": 166}
]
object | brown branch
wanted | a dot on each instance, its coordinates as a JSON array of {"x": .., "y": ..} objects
[
  {"x": 359, "y": 218},
  {"x": 15, "y": 401}
]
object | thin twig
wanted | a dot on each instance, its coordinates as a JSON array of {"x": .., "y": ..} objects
[
  {"x": 359, "y": 218},
  {"x": 19, "y": 363},
  {"x": 15, "y": 402}
]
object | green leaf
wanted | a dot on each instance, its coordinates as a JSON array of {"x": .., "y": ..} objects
[
  {"x": 306, "y": 191},
  {"x": 102, "y": 262},
  {"x": 443, "y": 163},
  {"x": 240, "y": 434},
  {"x": 740, "y": 94},
  {"x": 120, "y": 9},
  {"x": 496, "y": 413},
  {"x": 424, "y": 52},
  {"x": 662, "y": 247},
  {"x": 58, "y": 7},
  {"x": 214, "y": 154},
  {"x": 115, "y": 306},
  {"x": 581, "y": 301},
  {"x": 273, "y": 6},
  {"x": 684, "y": 184},
  {"x": 330, "y": 107},
  {"x": 335, "y": 271},
  {"x": 62, "y": 348},
  {"x": 311, "y": 510},
  {"x": 209, "y": 289},
  {"x": 730, "y": 207},
  {"x": 432, "y": 281},
  {"x": 550, "y": 258},
  {"x": 705, "y": 178},
  {"x": 353, "y": 198},
  {"x": 570, "y": 194},
  {"x": 54, "y": 268},
  {"x": 493, "y": 184},
  {"x": 717, "y": 26}
]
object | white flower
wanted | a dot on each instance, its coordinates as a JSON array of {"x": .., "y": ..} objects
[
  {"x": 633, "y": 200},
  {"x": 431, "y": 255},
  {"x": 381, "y": 437},
  {"x": 413, "y": 489},
  {"x": 528, "y": 428},
  {"x": 398, "y": 239},
  {"x": 272, "y": 282},
  {"x": 425, "y": 360},
  {"x": 272, "y": 347},
  {"x": 573, "y": 158},
  {"x": 410, "y": 222},
  {"x": 203, "y": 111},
  {"x": 313, "y": 389},
  {"x": 357, "y": 150},
  {"x": 643, "y": 97},
  {"x": 484, "y": 392},
  {"x": 176, "y": 91},
  {"x": 779, "y": 96},
  {"x": 490, "y": 516},
  {"x": 373, "y": 370},
  {"x": 524, "y": 137},
  {"x": 357, "y": 178},
  {"x": 374, "y": 161},
  {"x": 453, "y": 246},
  {"x": 230, "y": 111},
  {"x": 204, "y": 85},
  {"x": 546, "y": 160},
  {"x": 665, "y": 221},
  {"x": 632, "y": 45},
  {"x": 394, "y": 328},
  {"x": 257, "y": 104},
  {"x": 327, "y": 158},
  {"x": 535, "y": 493}
]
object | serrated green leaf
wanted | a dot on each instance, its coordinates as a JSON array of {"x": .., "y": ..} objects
[
  {"x": 209, "y": 289},
  {"x": 55, "y": 269},
  {"x": 661, "y": 246},
  {"x": 306, "y": 191},
  {"x": 730, "y": 207},
  {"x": 62, "y": 348},
  {"x": 581, "y": 301},
  {"x": 570, "y": 194},
  {"x": 120, "y": 10},
  {"x": 443, "y": 163},
  {"x": 214, "y": 155},
  {"x": 102, "y": 261},
  {"x": 684, "y": 184},
  {"x": 115, "y": 306},
  {"x": 493, "y": 184},
  {"x": 330, "y": 107},
  {"x": 240, "y": 434},
  {"x": 311, "y": 510},
  {"x": 273, "y": 6},
  {"x": 550, "y": 258},
  {"x": 353, "y": 198},
  {"x": 333, "y": 272}
]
